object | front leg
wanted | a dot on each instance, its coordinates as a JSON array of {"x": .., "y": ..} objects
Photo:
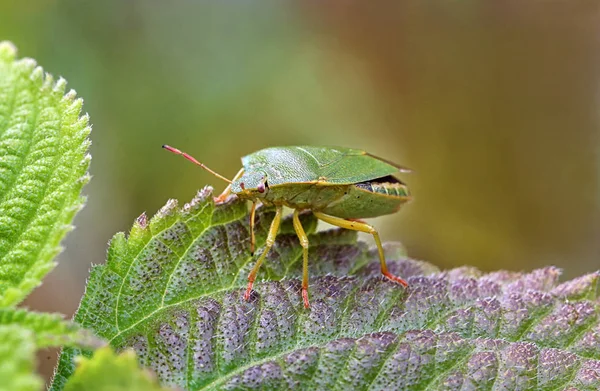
[
  {"x": 270, "y": 241},
  {"x": 227, "y": 192},
  {"x": 252, "y": 223}
]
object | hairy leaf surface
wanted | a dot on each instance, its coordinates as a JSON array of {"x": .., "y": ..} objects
[
  {"x": 43, "y": 165},
  {"x": 49, "y": 329},
  {"x": 173, "y": 292},
  {"x": 109, "y": 371},
  {"x": 17, "y": 359}
]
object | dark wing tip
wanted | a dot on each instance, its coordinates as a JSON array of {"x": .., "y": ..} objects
[{"x": 399, "y": 167}]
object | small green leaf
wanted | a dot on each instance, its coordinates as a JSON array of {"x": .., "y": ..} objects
[
  {"x": 17, "y": 360},
  {"x": 43, "y": 166},
  {"x": 173, "y": 291},
  {"x": 107, "y": 371},
  {"x": 49, "y": 329}
]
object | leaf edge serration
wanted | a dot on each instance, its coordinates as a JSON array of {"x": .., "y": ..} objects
[
  {"x": 76, "y": 131},
  {"x": 541, "y": 285}
]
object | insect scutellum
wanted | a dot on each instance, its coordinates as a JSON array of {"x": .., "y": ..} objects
[{"x": 338, "y": 185}]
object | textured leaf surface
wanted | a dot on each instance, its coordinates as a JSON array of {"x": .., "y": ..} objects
[
  {"x": 43, "y": 165},
  {"x": 107, "y": 371},
  {"x": 173, "y": 291},
  {"x": 49, "y": 329},
  {"x": 17, "y": 359}
]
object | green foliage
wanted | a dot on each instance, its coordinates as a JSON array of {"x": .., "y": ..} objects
[
  {"x": 48, "y": 329},
  {"x": 173, "y": 291},
  {"x": 17, "y": 360},
  {"x": 43, "y": 166},
  {"x": 107, "y": 371}
]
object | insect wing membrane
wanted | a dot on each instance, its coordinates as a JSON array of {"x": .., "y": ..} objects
[{"x": 328, "y": 165}]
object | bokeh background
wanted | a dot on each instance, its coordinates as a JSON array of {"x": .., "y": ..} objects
[{"x": 494, "y": 104}]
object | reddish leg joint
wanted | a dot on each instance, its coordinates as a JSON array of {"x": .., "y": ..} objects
[
  {"x": 220, "y": 199},
  {"x": 248, "y": 290},
  {"x": 305, "y": 297},
  {"x": 395, "y": 279}
]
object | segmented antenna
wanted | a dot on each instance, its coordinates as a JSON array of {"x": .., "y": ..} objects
[{"x": 193, "y": 160}]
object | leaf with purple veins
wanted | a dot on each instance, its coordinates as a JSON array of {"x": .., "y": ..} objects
[{"x": 173, "y": 292}]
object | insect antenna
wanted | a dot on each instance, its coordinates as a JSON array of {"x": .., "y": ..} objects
[{"x": 193, "y": 160}]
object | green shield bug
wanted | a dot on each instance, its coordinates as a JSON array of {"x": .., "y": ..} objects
[{"x": 339, "y": 185}]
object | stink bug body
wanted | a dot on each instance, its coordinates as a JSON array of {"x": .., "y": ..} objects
[{"x": 339, "y": 186}]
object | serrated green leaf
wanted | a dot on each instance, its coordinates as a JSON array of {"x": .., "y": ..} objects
[
  {"x": 107, "y": 371},
  {"x": 43, "y": 166},
  {"x": 173, "y": 291},
  {"x": 49, "y": 330},
  {"x": 17, "y": 360}
]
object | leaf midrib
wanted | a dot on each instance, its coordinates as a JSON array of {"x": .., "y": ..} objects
[
  {"x": 21, "y": 166},
  {"x": 136, "y": 258},
  {"x": 164, "y": 307},
  {"x": 35, "y": 121}
]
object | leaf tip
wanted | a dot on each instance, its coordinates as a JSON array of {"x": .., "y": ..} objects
[
  {"x": 200, "y": 198},
  {"x": 70, "y": 96},
  {"x": 585, "y": 286},
  {"x": 85, "y": 118},
  {"x": 37, "y": 75},
  {"x": 8, "y": 50},
  {"x": 169, "y": 209},
  {"x": 60, "y": 86},
  {"x": 142, "y": 220},
  {"x": 204, "y": 193},
  {"x": 28, "y": 66}
]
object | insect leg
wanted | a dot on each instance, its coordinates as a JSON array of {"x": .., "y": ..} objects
[
  {"x": 223, "y": 196},
  {"x": 252, "y": 219},
  {"x": 363, "y": 227},
  {"x": 304, "y": 243},
  {"x": 270, "y": 241}
]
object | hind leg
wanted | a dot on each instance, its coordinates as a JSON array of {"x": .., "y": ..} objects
[{"x": 363, "y": 227}]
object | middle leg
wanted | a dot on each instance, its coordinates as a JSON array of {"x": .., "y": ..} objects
[{"x": 304, "y": 243}]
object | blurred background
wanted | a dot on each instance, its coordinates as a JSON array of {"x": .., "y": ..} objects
[{"x": 493, "y": 104}]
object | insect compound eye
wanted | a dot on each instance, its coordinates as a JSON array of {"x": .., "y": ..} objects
[
  {"x": 242, "y": 186},
  {"x": 261, "y": 188}
]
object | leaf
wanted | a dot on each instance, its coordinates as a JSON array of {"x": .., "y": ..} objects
[
  {"x": 106, "y": 371},
  {"x": 17, "y": 358},
  {"x": 49, "y": 330},
  {"x": 173, "y": 292},
  {"x": 43, "y": 166}
]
